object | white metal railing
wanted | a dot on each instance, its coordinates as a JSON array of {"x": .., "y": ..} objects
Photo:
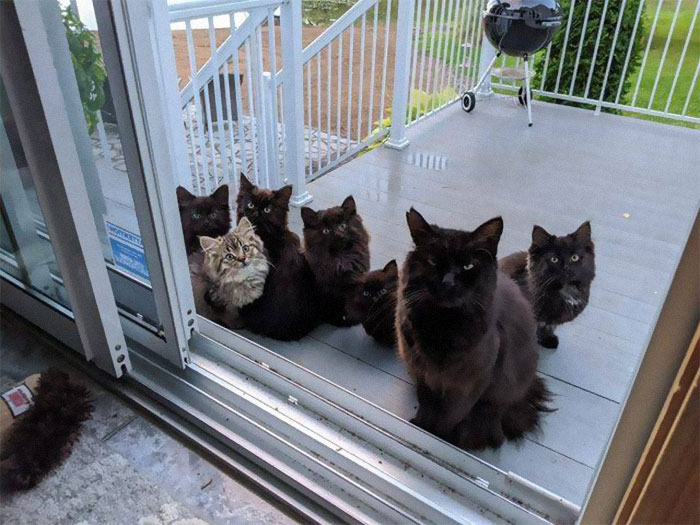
[
  {"x": 233, "y": 102},
  {"x": 655, "y": 90}
]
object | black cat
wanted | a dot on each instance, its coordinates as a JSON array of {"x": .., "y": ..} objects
[
  {"x": 374, "y": 302},
  {"x": 337, "y": 248},
  {"x": 288, "y": 308},
  {"x": 210, "y": 216},
  {"x": 467, "y": 335},
  {"x": 556, "y": 274}
]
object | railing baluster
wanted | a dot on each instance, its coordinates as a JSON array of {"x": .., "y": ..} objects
[
  {"x": 629, "y": 50},
  {"x": 478, "y": 39},
  {"x": 546, "y": 66},
  {"x": 415, "y": 21},
  {"x": 595, "y": 48},
  {"x": 252, "y": 112},
  {"x": 692, "y": 88},
  {"x": 329, "y": 92},
  {"x": 361, "y": 78},
  {"x": 465, "y": 70},
  {"x": 437, "y": 53},
  {"x": 261, "y": 110},
  {"x": 424, "y": 35},
  {"x": 580, "y": 47},
  {"x": 318, "y": 108},
  {"x": 387, "y": 28},
  {"x": 646, "y": 53},
  {"x": 429, "y": 81},
  {"x": 229, "y": 118},
  {"x": 663, "y": 55},
  {"x": 340, "y": 95},
  {"x": 239, "y": 105},
  {"x": 351, "y": 58},
  {"x": 566, "y": 43},
  {"x": 310, "y": 126},
  {"x": 454, "y": 23},
  {"x": 374, "y": 56},
  {"x": 275, "y": 135},
  {"x": 198, "y": 108},
  {"x": 219, "y": 113},
  {"x": 620, "y": 15}
]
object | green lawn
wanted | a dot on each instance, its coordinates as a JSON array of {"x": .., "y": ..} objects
[{"x": 673, "y": 55}]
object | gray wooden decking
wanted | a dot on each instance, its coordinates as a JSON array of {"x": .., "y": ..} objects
[{"x": 638, "y": 183}]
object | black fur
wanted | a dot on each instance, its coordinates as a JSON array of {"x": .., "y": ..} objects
[{"x": 210, "y": 216}]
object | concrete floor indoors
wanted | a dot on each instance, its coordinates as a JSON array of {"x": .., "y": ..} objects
[{"x": 125, "y": 468}]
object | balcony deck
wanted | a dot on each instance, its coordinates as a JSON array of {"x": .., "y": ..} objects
[{"x": 636, "y": 181}]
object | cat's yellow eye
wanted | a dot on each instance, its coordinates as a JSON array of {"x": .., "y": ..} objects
[
  {"x": 432, "y": 262},
  {"x": 267, "y": 209},
  {"x": 554, "y": 260},
  {"x": 251, "y": 205},
  {"x": 326, "y": 231},
  {"x": 575, "y": 258},
  {"x": 245, "y": 247},
  {"x": 468, "y": 266}
]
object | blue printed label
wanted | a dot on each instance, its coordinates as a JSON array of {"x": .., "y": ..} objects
[{"x": 127, "y": 250}]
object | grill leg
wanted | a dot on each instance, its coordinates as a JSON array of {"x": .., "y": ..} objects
[
  {"x": 528, "y": 94},
  {"x": 486, "y": 73}
]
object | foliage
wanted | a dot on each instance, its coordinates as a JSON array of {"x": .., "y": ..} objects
[
  {"x": 588, "y": 54},
  {"x": 88, "y": 66},
  {"x": 445, "y": 45}
]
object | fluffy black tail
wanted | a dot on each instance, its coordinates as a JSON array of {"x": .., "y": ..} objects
[
  {"x": 40, "y": 440},
  {"x": 524, "y": 416}
]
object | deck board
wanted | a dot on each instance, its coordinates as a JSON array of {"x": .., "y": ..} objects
[{"x": 571, "y": 166}]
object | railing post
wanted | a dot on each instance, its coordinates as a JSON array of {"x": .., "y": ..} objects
[
  {"x": 402, "y": 66},
  {"x": 293, "y": 100},
  {"x": 487, "y": 55},
  {"x": 273, "y": 158}
]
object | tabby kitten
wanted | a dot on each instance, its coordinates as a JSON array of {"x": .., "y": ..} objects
[
  {"x": 287, "y": 309},
  {"x": 230, "y": 272},
  {"x": 374, "y": 302},
  {"x": 556, "y": 274},
  {"x": 337, "y": 248},
  {"x": 467, "y": 335},
  {"x": 210, "y": 216}
]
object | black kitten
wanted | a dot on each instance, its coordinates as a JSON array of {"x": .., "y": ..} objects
[
  {"x": 467, "y": 335},
  {"x": 337, "y": 248},
  {"x": 374, "y": 301},
  {"x": 556, "y": 274},
  {"x": 210, "y": 216},
  {"x": 288, "y": 307}
]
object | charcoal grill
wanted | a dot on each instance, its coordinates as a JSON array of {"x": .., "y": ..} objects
[{"x": 518, "y": 28}]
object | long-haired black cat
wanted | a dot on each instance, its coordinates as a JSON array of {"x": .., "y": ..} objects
[
  {"x": 288, "y": 308},
  {"x": 467, "y": 335},
  {"x": 556, "y": 274},
  {"x": 374, "y": 302},
  {"x": 337, "y": 247},
  {"x": 209, "y": 216}
]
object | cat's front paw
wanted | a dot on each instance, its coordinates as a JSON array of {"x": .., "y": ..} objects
[{"x": 549, "y": 341}]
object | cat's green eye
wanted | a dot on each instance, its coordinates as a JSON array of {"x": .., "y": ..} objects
[
  {"x": 229, "y": 256},
  {"x": 267, "y": 209},
  {"x": 554, "y": 260},
  {"x": 575, "y": 258},
  {"x": 468, "y": 266},
  {"x": 251, "y": 205},
  {"x": 432, "y": 262},
  {"x": 326, "y": 231},
  {"x": 196, "y": 215},
  {"x": 245, "y": 247}
]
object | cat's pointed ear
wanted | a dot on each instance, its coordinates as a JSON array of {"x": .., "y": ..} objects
[
  {"x": 540, "y": 236},
  {"x": 183, "y": 196},
  {"x": 283, "y": 195},
  {"x": 583, "y": 233},
  {"x": 489, "y": 233},
  {"x": 244, "y": 225},
  {"x": 391, "y": 268},
  {"x": 349, "y": 206},
  {"x": 246, "y": 185},
  {"x": 207, "y": 243},
  {"x": 221, "y": 195},
  {"x": 421, "y": 231},
  {"x": 309, "y": 217}
]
